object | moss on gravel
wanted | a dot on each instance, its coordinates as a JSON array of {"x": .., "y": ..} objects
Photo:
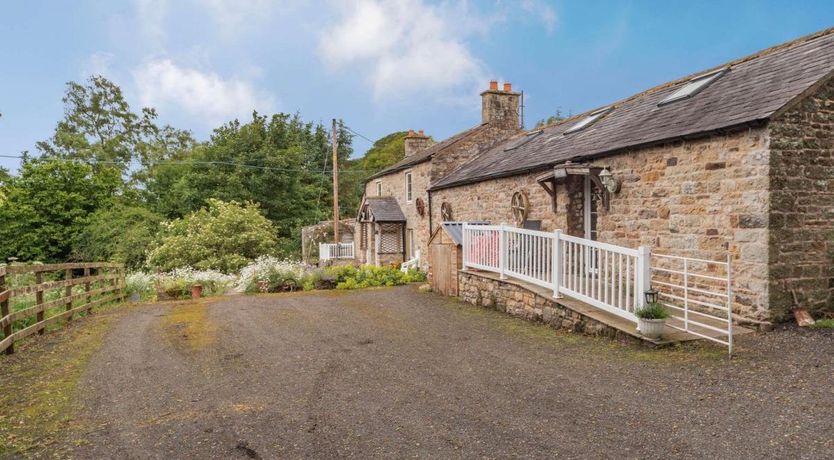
[
  {"x": 605, "y": 347},
  {"x": 187, "y": 325},
  {"x": 40, "y": 387}
]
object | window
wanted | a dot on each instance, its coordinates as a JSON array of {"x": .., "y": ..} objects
[
  {"x": 694, "y": 86},
  {"x": 587, "y": 121},
  {"x": 378, "y": 188},
  {"x": 408, "y": 192},
  {"x": 527, "y": 137}
]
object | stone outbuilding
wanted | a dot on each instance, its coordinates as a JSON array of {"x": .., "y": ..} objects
[{"x": 737, "y": 159}]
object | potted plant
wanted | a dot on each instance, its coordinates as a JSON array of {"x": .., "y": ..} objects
[{"x": 651, "y": 319}]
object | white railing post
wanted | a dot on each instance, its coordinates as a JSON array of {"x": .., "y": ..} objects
[
  {"x": 502, "y": 252},
  {"x": 465, "y": 244},
  {"x": 729, "y": 307},
  {"x": 556, "y": 264},
  {"x": 644, "y": 274},
  {"x": 322, "y": 251}
]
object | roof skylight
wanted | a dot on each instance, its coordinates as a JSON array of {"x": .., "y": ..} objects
[
  {"x": 587, "y": 121},
  {"x": 522, "y": 140},
  {"x": 694, "y": 86}
]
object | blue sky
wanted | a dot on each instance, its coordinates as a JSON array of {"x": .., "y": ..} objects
[{"x": 381, "y": 65}]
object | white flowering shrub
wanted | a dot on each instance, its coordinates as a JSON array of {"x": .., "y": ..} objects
[
  {"x": 278, "y": 273},
  {"x": 177, "y": 283}
]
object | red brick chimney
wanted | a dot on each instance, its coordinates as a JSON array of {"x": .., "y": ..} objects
[{"x": 501, "y": 108}]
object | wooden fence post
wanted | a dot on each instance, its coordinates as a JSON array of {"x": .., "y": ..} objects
[
  {"x": 4, "y": 311},
  {"x": 39, "y": 300},
  {"x": 87, "y": 288},
  {"x": 68, "y": 291}
]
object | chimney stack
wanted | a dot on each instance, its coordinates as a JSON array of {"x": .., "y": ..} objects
[
  {"x": 501, "y": 108},
  {"x": 416, "y": 141}
]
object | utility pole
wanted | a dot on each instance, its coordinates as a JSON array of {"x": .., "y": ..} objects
[{"x": 335, "y": 185}]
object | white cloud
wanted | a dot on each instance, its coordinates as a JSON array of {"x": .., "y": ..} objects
[
  {"x": 163, "y": 84},
  {"x": 544, "y": 12},
  {"x": 407, "y": 45},
  {"x": 99, "y": 63}
]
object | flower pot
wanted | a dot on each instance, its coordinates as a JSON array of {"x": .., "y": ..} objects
[
  {"x": 651, "y": 328},
  {"x": 196, "y": 291}
]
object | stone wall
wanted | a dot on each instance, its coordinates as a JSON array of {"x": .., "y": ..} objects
[
  {"x": 802, "y": 205},
  {"x": 701, "y": 198},
  {"x": 514, "y": 299}
]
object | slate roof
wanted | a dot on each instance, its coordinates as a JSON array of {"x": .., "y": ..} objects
[
  {"x": 751, "y": 91},
  {"x": 427, "y": 153},
  {"x": 385, "y": 209}
]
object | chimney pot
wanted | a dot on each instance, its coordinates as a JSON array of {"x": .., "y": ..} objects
[
  {"x": 493, "y": 85},
  {"x": 422, "y": 134},
  {"x": 411, "y": 133},
  {"x": 508, "y": 87}
]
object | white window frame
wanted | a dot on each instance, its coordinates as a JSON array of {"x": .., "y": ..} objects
[
  {"x": 409, "y": 186},
  {"x": 379, "y": 188}
]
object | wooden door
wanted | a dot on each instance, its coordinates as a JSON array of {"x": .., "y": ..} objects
[{"x": 441, "y": 266}]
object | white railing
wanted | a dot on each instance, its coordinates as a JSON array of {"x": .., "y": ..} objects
[
  {"x": 699, "y": 293},
  {"x": 613, "y": 278},
  {"x": 414, "y": 262},
  {"x": 328, "y": 251},
  {"x": 609, "y": 277}
]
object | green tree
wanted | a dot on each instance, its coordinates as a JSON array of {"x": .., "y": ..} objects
[
  {"x": 99, "y": 128},
  {"x": 223, "y": 236},
  {"x": 47, "y": 205},
  {"x": 121, "y": 233},
  {"x": 385, "y": 152},
  {"x": 280, "y": 162}
]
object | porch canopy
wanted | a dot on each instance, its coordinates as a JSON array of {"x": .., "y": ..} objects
[
  {"x": 561, "y": 172},
  {"x": 385, "y": 215}
]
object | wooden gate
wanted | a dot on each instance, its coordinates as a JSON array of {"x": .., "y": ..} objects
[{"x": 442, "y": 266}]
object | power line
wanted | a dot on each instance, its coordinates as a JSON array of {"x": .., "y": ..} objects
[
  {"x": 357, "y": 134},
  {"x": 193, "y": 162}
]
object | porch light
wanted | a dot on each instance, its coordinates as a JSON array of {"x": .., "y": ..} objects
[
  {"x": 611, "y": 184},
  {"x": 651, "y": 296}
]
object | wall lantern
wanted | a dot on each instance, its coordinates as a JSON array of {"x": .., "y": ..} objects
[
  {"x": 611, "y": 184},
  {"x": 651, "y": 296}
]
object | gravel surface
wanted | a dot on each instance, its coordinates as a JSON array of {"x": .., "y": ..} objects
[{"x": 395, "y": 373}]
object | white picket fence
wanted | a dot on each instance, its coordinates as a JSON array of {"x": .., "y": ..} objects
[
  {"x": 606, "y": 276},
  {"x": 328, "y": 251},
  {"x": 612, "y": 278}
]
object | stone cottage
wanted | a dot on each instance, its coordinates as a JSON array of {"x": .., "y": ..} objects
[
  {"x": 400, "y": 192},
  {"x": 736, "y": 159}
]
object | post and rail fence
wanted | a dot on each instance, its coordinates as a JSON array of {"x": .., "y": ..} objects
[
  {"x": 328, "y": 251},
  {"x": 29, "y": 306},
  {"x": 612, "y": 278}
]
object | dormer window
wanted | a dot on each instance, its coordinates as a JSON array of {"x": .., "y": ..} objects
[
  {"x": 588, "y": 120},
  {"x": 694, "y": 86}
]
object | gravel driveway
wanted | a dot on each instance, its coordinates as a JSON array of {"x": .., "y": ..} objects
[{"x": 396, "y": 373}]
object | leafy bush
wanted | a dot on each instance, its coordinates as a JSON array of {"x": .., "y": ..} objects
[
  {"x": 350, "y": 277},
  {"x": 142, "y": 284},
  {"x": 118, "y": 234},
  {"x": 652, "y": 311},
  {"x": 223, "y": 236}
]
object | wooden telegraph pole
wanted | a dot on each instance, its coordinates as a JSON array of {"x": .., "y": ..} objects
[{"x": 335, "y": 185}]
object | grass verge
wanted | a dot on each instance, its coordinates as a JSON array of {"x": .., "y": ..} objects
[{"x": 40, "y": 383}]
